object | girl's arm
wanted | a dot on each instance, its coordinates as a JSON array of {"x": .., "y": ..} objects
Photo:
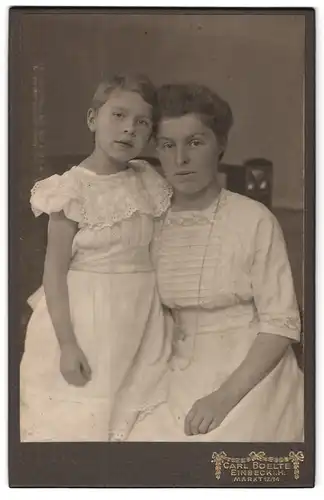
[
  {"x": 74, "y": 366},
  {"x": 61, "y": 232}
]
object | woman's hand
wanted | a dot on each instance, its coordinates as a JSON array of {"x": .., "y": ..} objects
[
  {"x": 209, "y": 412},
  {"x": 74, "y": 365},
  {"x": 206, "y": 414}
]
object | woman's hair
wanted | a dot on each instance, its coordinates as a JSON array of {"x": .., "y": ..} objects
[
  {"x": 132, "y": 83},
  {"x": 176, "y": 100}
]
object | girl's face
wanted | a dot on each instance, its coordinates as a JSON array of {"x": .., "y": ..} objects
[
  {"x": 189, "y": 152},
  {"x": 122, "y": 125}
]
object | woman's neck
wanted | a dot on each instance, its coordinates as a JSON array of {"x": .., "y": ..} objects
[
  {"x": 102, "y": 164},
  {"x": 196, "y": 201}
]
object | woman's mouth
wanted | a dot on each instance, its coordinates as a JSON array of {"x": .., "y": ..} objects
[{"x": 125, "y": 144}]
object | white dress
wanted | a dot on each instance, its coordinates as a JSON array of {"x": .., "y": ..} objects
[
  {"x": 114, "y": 304},
  {"x": 225, "y": 274}
]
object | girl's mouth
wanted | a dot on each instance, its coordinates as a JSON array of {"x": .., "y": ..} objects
[{"x": 185, "y": 172}]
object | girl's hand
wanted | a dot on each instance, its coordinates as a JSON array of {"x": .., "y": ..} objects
[
  {"x": 206, "y": 414},
  {"x": 74, "y": 365}
]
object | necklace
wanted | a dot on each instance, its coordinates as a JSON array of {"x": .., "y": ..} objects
[{"x": 183, "y": 362}]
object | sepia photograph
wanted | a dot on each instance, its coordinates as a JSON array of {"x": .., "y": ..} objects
[{"x": 161, "y": 177}]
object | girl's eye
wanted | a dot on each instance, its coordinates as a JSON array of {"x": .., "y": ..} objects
[
  {"x": 195, "y": 142},
  {"x": 167, "y": 145},
  {"x": 118, "y": 114}
]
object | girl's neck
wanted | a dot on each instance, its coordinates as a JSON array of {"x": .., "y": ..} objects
[
  {"x": 102, "y": 164},
  {"x": 196, "y": 201}
]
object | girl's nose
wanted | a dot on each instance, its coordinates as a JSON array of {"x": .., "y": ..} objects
[{"x": 129, "y": 127}]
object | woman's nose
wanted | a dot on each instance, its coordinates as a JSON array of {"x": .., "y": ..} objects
[{"x": 181, "y": 156}]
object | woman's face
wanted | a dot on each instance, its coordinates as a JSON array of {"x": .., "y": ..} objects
[{"x": 188, "y": 151}]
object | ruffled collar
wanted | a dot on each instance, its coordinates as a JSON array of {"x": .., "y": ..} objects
[
  {"x": 98, "y": 201},
  {"x": 111, "y": 198}
]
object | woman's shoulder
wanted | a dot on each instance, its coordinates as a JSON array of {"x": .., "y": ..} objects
[
  {"x": 250, "y": 219},
  {"x": 244, "y": 208}
]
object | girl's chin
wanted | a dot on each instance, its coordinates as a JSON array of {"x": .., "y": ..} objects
[{"x": 121, "y": 157}]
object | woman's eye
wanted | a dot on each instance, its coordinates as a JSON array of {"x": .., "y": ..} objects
[
  {"x": 118, "y": 114},
  {"x": 195, "y": 142}
]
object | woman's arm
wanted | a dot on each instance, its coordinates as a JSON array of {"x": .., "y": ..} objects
[
  {"x": 264, "y": 355},
  {"x": 279, "y": 323},
  {"x": 209, "y": 412}
]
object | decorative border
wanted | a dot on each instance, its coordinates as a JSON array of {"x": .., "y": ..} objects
[{"x": 219, "y": 458}]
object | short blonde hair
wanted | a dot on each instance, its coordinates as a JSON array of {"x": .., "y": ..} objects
[{"x": 133, "y": 83}]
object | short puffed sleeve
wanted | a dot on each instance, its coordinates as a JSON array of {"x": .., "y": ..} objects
[{"x": 58, "y": 193}]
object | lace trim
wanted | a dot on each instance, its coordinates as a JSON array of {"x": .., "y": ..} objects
[
  {"x": 122, "y": 435},
  {"x": 192, "y": 220},
  {"x": 290, "y": 322},
  {"x": 156, "y": 187},
  {"x": 165, "y": 201}
]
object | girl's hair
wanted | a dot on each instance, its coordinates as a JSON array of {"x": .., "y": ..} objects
[
  {"x": 176, "y": 100},
  {"x": 132, "y": 83}
]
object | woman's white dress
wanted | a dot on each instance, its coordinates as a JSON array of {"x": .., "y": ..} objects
[
  {"x": 225, "y": 274},
  {"x": 115, "y": 309}
]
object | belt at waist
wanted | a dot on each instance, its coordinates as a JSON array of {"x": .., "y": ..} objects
[
  {"x": 113, "y": 268},
  {"x": 191, "y": 328},
  {"x": 192, "y": 321},
  {"x": 127, "y": 261}
]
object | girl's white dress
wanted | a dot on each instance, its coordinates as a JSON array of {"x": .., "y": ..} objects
[
  {"x": 115, "y": 309},
  {"x": 225, "y": 274}
]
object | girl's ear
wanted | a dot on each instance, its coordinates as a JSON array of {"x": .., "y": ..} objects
[{"x": 91, "y": 119}]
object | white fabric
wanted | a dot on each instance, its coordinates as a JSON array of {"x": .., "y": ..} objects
[
  {"x": 115, "y": 310},
  {"x": 225, "y": 282}
]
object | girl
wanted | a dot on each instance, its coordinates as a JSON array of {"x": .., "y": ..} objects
[{"x": 98, "y": 327}]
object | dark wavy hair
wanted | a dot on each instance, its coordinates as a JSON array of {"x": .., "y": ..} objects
[{"x": 176, "y": 100}]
